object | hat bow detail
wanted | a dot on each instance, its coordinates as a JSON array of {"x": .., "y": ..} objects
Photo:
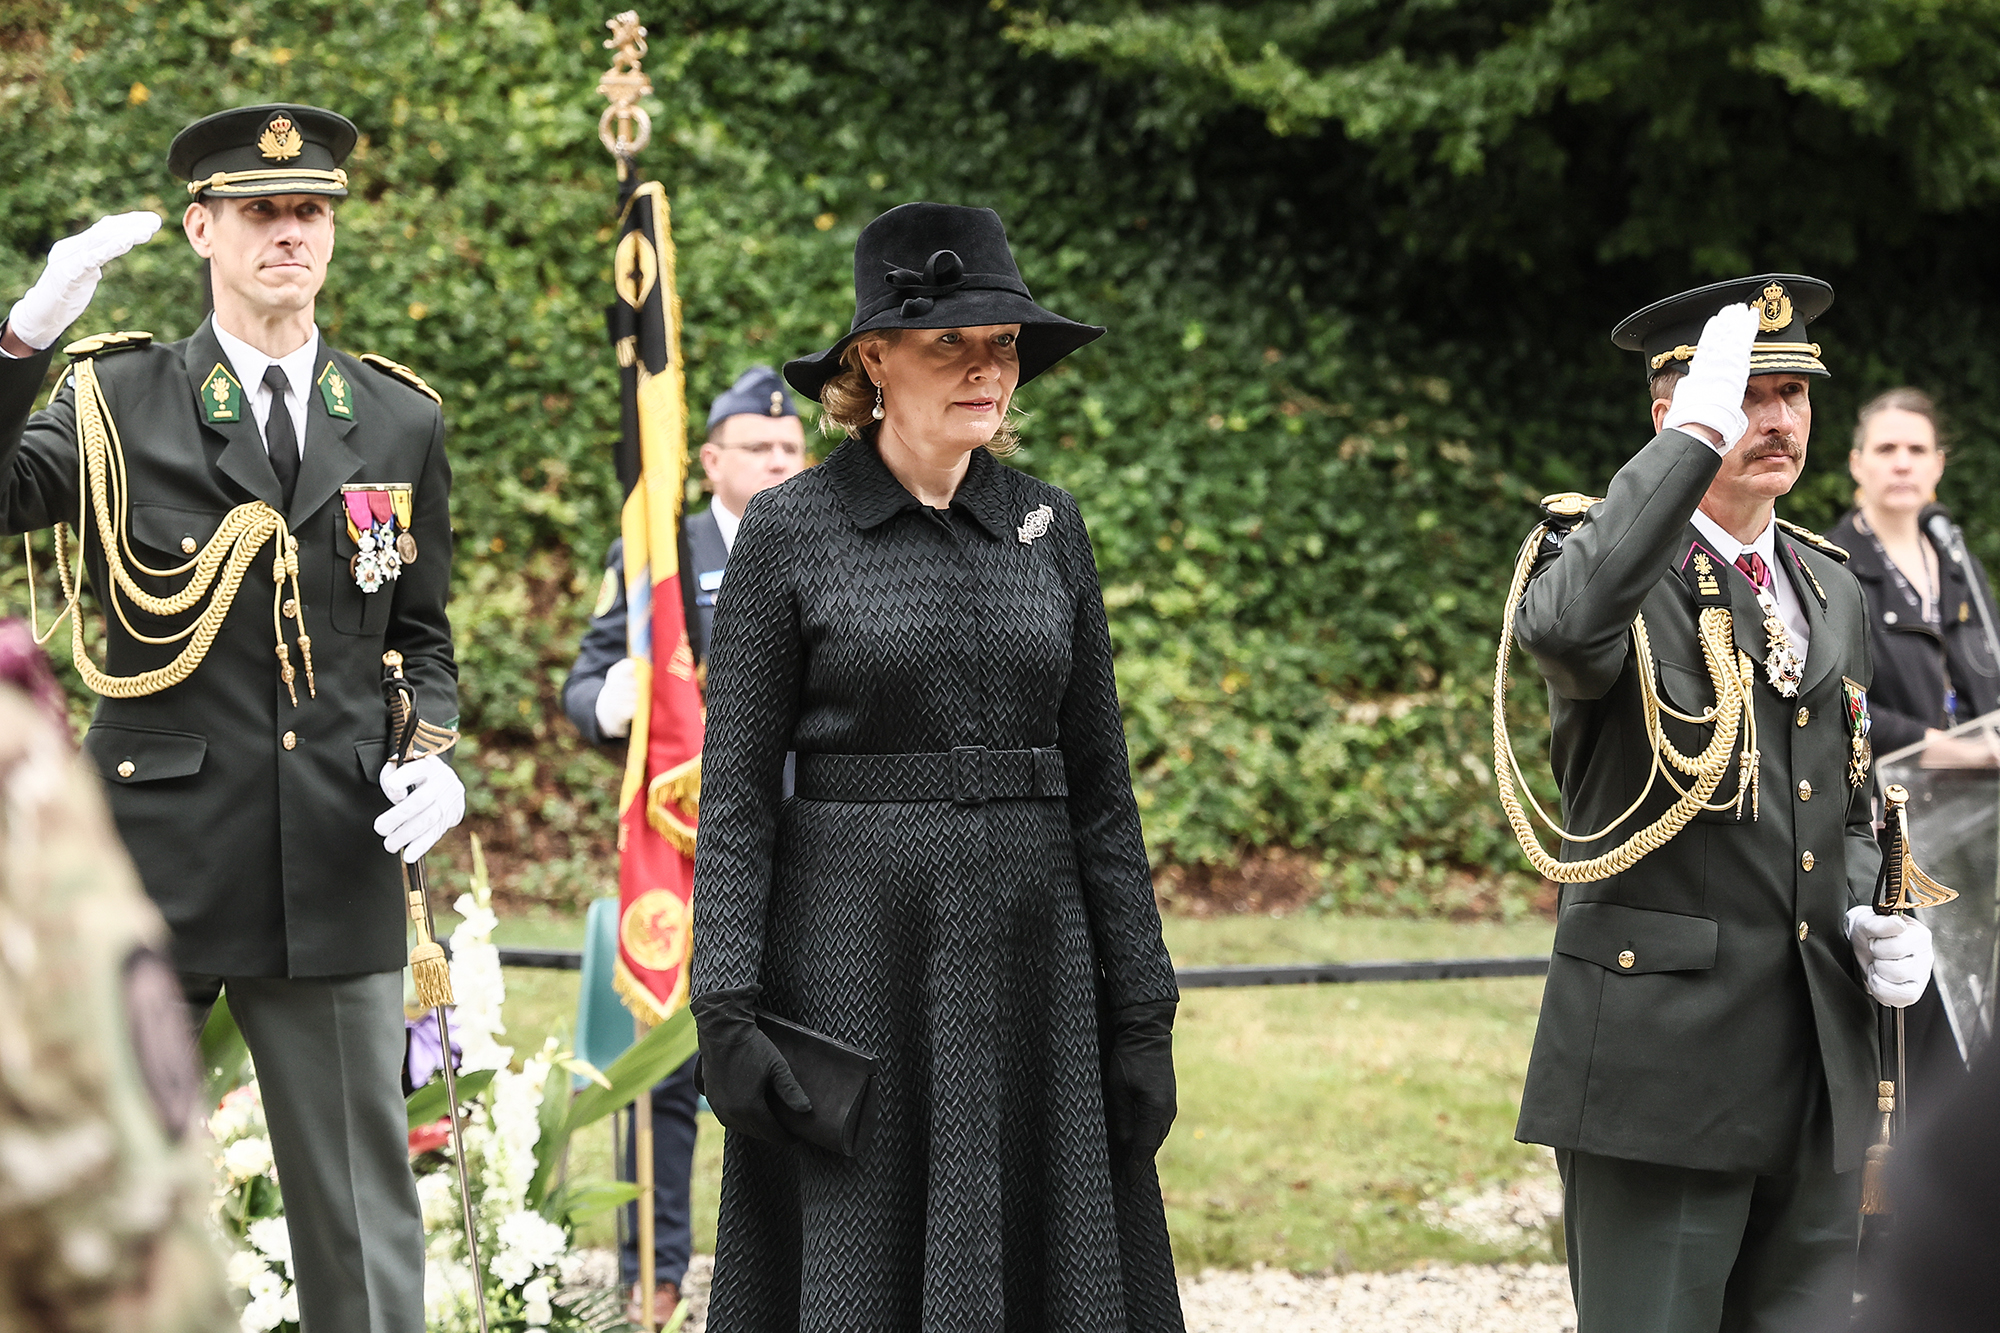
[{"x": 944, "y": 273}]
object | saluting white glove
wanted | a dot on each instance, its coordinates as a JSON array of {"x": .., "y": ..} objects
[
  {"x": 1711, "y": 393},
  {"x": 429, "y": 802},
  {"x": 69, "y": 280},
  {"x": 1894, "y": 952},
  {"x": 618, "y": 700}
]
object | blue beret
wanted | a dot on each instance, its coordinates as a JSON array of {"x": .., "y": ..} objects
[{"x": 757, "y": 391}]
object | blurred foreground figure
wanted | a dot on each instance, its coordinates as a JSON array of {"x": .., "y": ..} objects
[
  {"x": 1936, "y": 1273},
  {"x": 1706, "y": 1060},
  {"x": 103, "y": 1186}
]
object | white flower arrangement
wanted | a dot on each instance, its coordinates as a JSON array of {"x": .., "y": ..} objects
[{"x": 525, "y": 1217}]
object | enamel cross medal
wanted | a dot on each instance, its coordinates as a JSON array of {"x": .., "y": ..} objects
[{"x": 1783, "y": 666}]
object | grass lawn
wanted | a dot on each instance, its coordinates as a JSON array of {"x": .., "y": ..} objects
[{"x": 1314, "y": 1119}]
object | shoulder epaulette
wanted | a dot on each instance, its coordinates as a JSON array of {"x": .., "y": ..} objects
[
  {"x": 99, "y": 344},
  {"x": 403, "y": 373},
  {"x": 1837, "y": 552}
]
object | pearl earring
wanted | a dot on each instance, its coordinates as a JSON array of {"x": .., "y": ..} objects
[{"x": 878, "y": 402}]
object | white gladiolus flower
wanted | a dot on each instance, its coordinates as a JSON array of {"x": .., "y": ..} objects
[
  {"x": 247, "y": 1158},
  {"x": 479, "y": 988},
  {"x": 535, "y": 1303},
  {"x": 272, "y": 1239},
  {"x": 447, "y": 1291},
  {"x": 244, "y": 1267},
  {"x": 262, "y": 1315},
  {"x": 438, "y": 1196},
  {"x": 538, "y": 1240}
]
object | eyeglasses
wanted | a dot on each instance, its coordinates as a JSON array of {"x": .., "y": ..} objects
[{"x": 763, "y": 448}]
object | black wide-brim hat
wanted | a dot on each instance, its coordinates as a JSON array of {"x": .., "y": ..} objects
[
  {"x": 942, "y": 266},
  {"x": 1667, "y": 331},
  {"x": 262, "y": 150}
]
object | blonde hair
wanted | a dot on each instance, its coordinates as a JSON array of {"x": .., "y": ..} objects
[{"x": 847, "y": 401}]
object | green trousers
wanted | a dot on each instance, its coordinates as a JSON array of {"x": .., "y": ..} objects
[
  {"x": 1667, "y": 1249},
  {"x": 329, "y": 1053}
]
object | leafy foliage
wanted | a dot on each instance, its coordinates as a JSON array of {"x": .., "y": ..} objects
[{"x": 1358, "y": 257}]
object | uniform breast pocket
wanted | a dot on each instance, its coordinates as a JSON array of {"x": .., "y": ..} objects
[
  {"x": 351, "y": 608},
  {"x": 165, "y": 536}
]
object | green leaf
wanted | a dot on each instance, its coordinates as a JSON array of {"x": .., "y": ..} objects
[
  {"x": 225, "y": 1056},
  {"x": 578, "y": 1203},
  {"x": 553, "y": 1141},
  {"x": 428, "y": 1103},
  {"x": 654, "y": 1056}
]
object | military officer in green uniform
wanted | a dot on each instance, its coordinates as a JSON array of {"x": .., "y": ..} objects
[
  {"x": 1705, "y": 1064},
  {"x": 264, "y": 517}
]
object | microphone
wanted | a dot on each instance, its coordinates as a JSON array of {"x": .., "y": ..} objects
[{"x": 1937, "y": 522}]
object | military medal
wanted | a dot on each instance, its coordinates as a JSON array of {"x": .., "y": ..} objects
[
  {"x": 1783, "y": 666},
  {"x": 378, "y": 523},
  {"x": 1858, "y": 726}
]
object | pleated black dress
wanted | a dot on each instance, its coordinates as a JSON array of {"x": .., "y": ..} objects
[{"x": 970, "y": 944}]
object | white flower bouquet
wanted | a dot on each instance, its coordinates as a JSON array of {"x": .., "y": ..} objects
[{"x": 516, "y": 1123}]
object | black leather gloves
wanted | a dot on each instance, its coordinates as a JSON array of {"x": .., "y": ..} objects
[
  {"x": 1139, "y": 1100},
  {"x": 740, "y": 1069}
]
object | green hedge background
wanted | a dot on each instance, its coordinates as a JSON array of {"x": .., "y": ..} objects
[{"x": 1359, "y": 262}]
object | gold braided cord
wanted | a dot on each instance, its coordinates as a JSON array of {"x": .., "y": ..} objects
[
  {"x": 217, "y": 570},
  {"x": 1733, "y": 679}
]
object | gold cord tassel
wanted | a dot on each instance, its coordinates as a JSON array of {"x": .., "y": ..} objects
[
  {"x": 1875, "y": 1167},
  {"x": 428, "y": 965}
]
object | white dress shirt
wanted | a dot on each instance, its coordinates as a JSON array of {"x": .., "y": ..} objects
[
  {"x": 725, "y": 523},
  {"x": 249, "y": 364},
  {"x": 1766, "y": 545}
]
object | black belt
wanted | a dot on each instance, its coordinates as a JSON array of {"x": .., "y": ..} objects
[{"x": 968, "y": 775}]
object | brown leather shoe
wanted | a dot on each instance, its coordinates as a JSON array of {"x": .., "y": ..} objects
[{"x": 666, "y": 1299}]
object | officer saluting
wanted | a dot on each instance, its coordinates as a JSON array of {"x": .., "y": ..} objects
[
  {"x": 266, "y": 517},
  {"x": 1705, "y": 1064}
]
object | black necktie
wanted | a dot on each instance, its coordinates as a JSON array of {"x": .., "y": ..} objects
[{"x": 280, "y": 439}]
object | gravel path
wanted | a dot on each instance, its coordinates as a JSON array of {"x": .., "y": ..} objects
[{"x": 1511, "y": 1298}]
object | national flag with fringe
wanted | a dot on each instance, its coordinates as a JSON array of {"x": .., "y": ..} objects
[{"x": 661, "y": 799}]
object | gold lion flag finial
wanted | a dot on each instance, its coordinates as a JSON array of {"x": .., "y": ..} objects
[{"x": 624, "y": 84}]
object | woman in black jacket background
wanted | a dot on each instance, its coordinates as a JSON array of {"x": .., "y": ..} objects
[
  {"x": 1929, "y": 630},
  {"x": 1928, "y": 612}
]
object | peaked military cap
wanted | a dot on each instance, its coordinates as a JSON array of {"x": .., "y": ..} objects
[
  {"x": 942, "y": 266},
  {"x": 757, "y": 392},
  {"x": 257, "y": 150},
  {"x": 1667, "y": 331}
]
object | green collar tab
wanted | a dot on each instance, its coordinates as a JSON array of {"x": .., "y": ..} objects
[
  {"x": 336, "y": 392},
  {"x": 222, "y": 397}
]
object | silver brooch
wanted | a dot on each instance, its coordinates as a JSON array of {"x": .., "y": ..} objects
[{"x": 1035, "y": 525}]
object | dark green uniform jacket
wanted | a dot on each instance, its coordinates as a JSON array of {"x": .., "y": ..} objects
[
  {"x": 249, "y": 818},
  {"x": 1741, "y": 989}
]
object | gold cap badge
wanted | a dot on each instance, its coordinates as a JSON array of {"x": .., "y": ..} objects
[
  {"x": 1774, "y": 309},
  {"x": 281, "y": 140}
]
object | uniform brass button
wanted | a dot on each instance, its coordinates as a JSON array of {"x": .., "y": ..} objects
[
  {"x": 1627, "y": 958},
  {"x": 1805, "y": 716},
  {"x": 1805, "y": 790},
  {"x": 187, "y": 546},
  {"x": 291, "y": 608},
  {"x": 1806, "y": 861},
  {"x": 1804, "y": 930},
  {"x": 127, "y": 769},
  {"x": 292, "y": 743}
]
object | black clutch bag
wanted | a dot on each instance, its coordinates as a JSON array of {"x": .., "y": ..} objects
[{"x": 839, "y": 1080}]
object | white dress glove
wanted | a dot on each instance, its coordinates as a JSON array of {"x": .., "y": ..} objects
[
  {"x": 70, "y": 279},
  {"x": 429, "y": 802},
  {"x": 618, "y": 701},
  {"x": 1711, "y": 393},
  {"x": 1894, "y": 952}
]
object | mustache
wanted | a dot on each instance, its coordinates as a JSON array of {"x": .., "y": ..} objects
[{"x": 1774, "y": 445}]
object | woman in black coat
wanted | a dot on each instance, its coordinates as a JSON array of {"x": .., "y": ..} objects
[
  {"x": 1928, "y": 611},
  {"x": 958, "y": 886},
  {"x": 1929, "y": 630}
]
